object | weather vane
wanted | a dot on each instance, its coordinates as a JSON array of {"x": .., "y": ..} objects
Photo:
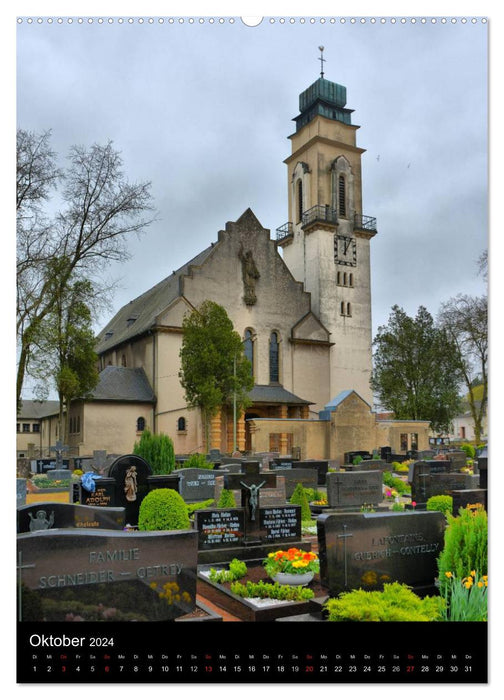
[{"x": 322, "y": 61}]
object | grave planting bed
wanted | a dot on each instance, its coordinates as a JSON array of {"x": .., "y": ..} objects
[{"x": 254, "y": 610}]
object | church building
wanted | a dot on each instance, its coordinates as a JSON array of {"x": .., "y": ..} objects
[{"x": 301, "y": 301}]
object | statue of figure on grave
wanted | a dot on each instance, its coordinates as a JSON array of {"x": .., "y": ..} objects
[
  {"x": 254, "y": 496},
  {"x": 40, "y": 522},
  {"x": 130, "y": 484}
]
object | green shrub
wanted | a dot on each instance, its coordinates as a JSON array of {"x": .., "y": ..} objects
[
  {"x": 357, "y": 460},
  {"x": 442, "y": 503},
  {"x": 399, "y": 467},
  {"x": 470, "y": 450},
  {"x": 465, "y": 545},
  {"x": 157, "y": 450},
  {"x": 163, "y": 509},
  {"x": 298, "y": 498},
  {"x": 237, "y": 569},
  {"x": 396, "y": 483},
  {"x": 397, "y": 507},
  {"x": 191, "y": 507},
  {"x": 226, "y": 499},
  {"x": 197, "y": 461},
  {"x": 314, "y": 495},
  {"x": 396, "y": 603},
  {"x": 271, "y": 590},
  {"x": 466, "y": 599}
]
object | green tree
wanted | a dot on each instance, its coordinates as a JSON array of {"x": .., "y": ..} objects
[
  {"x": 63, "y": 352},
  {"x": 99, "y": 209},
  {"x": 464, "y": 319},
  {"x": 157, "y": 450},
  {"x": 415, "y": 371},
  {"x": 214, "y": 370}
]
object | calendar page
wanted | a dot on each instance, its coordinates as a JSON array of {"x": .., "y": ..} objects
[{"x": 252, "y": 369}]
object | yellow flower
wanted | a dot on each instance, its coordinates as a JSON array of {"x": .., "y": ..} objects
[
  {"x": 448, "y": 574},
  {"x": 480, "y": 584},
  {"x": 468, "y": 583},
  {"x": 473, "y": 573}
]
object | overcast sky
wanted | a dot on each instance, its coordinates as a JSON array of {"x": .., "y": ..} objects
[{"x": 203, "y": 111}]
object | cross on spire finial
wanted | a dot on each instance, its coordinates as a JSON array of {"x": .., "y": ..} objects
[{"x": 322, "y": 61}]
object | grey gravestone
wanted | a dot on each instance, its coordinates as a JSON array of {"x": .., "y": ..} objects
[
  {"x": 60, "y": 474},
  {"x": 265, "y": 458},
  {"x": 458, "y": 458},
  {"x": 228, "y": 468},
  {"x": 99, "y": 459},
  {"x": 196, "y": 484},
  {"x": 426, "y": 454},
  {"x": 354, "y": 489},
  {"x": 106, "y": 575},
  {"x": 367, "y": 550},
  {"x": 468, "y": 497},
  {"x": 130, "y": 473},
  {"x": 419, "y": 472},
  {"x": 48, "y": 516},
  {"x": 104, "y": 494},
  {"x": 281, "y": 523},
  {"x": 320, "y": 466},
  {"x": 307, "y": 477},
  {"x": 20, "y": 492},
  {"x": 220, "y": 528}
]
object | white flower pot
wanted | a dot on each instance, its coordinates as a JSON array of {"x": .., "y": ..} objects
[{"x": 294, "y": 579}]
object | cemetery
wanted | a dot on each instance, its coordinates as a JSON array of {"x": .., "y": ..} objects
[{"x": 253, "y": 538}]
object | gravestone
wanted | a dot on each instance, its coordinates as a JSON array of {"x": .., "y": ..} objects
[
  {"x": 163, "y": 481},
  {"x": 350, "y": 456},
  {"x": 265, "y": 458},
  {"x": 354, "y": 489},
  {"x": 220, "y": 527},
  {"x": 458, "y": 458},
  {"x": 99, "y": 460},
  {"x": 66, "y": 575},
  {"x": 250, "y": 483},
  {"x": 103, "y": 495},
  {"x": 20, "y": 492},
  {"x": 44, "y": 466},
  {"x": 426, "y": 454},
  {"x": 369, "y": 465},
  {"x": 59, "y": 448},
  {"x": 130, "y": 473},
  {"x": 483, "y": 468},
  {"x": 196, "y": 484},
  {"x": 434, "y": 478},
  {"x": 307, "y": 477},
  {"x": 281, "y": 523},
  {"x": 320, "y": 466},
  {"x": 270, "y": 494},
  {"x": 48, "y": 516},
  {"x": 61, "y": 474},
  {"x": 228, "y": 468},
  {"x": 367, "y": 550},
  {"x": 468, "y": 497}
]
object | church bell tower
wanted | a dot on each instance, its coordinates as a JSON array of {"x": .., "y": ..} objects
[{"x": 326, "y": 242}]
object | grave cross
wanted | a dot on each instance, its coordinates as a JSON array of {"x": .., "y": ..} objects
[
  {"x": 344, "y": 537},
  {"x": 250, "y": 483},
  {"x": 58, "y": 449}
]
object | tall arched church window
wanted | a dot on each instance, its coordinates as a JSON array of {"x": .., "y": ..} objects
[
  {"x": 299, "y": 188},
  {"x": 341, "y": 196},
  {"x": 140, "y": 424},
  {"x": 248, "y": 348},
  {"x": 181, "y": 423},
  {"x": 273, "y": 358}
]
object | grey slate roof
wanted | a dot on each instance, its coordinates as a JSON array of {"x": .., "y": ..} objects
[
  {"x": 38, "y": 409},
  {"x": 275, "y": 393},
  {"x": 140, "y": 314},
  {"x": 123, "y": 384}
]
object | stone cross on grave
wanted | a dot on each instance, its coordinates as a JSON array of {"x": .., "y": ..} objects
[
  {"x": 59, "y": 448},
  {"x": 250, "y": 483}
]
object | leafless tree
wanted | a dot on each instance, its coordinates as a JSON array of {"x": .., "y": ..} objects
[{"x": 94, "y": 212}]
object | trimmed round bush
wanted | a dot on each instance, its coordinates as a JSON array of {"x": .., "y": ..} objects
[
  {"x": 163, "y": 509},
  {"x": 299, "y": 498},
  {"x": 442, "y": 503}
]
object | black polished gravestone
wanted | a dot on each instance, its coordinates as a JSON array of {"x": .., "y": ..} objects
[
  {"x": 308, "y": 478},
  {"x": 220, "y": 528},
  {"x": 83, "y": 575},
  {"x": 130, "y": 474},
  {"x": 46, "y": 516},
  {"x": 320, "y": 466},
  {"x": 98, "y": 492},
  {"x": 483, "y": 468},
  {"x": 281, "y": 523},
  {"x": 354, "y": 489},
  {"x": 367, "y": 550},
  {"x": 468, "y": 497},
  {"x": 434, "y": 478}
]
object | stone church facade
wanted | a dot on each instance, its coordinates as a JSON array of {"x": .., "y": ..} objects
[{"x": 301, "y": 302}]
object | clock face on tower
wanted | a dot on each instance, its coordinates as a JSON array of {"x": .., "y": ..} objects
[{"x": 345, "y": 250}]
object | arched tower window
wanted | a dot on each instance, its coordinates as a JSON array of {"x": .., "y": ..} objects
[
  {"x": 348, "y": 309},
  {"x": 341, "y": 196},
  {"x": 342, "y": 308},
  {"x": 140, "y": 424},
  {"x": 273, "y": 358},
  {"x": 299, "y": 192},
  {"x": 181, "y": 423},
  {"x": 248, "y": 348}
]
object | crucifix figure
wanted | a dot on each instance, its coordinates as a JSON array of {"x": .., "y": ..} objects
[
  {"x": 250, "y": 483},
  {"x": 59, "y": 448}
]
